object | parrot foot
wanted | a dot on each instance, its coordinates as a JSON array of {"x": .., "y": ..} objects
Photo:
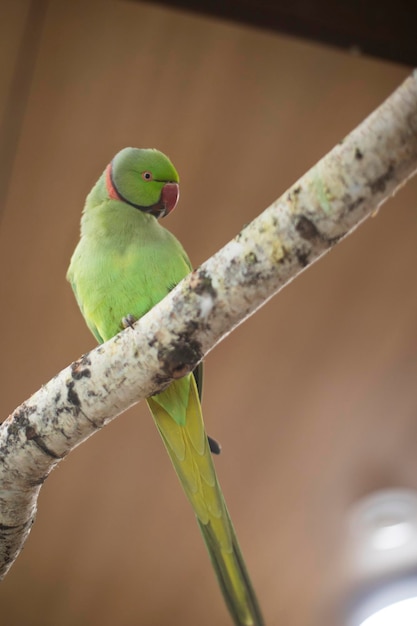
[
  {"x": 128, "y": 321},
  {"x": 214, "y": 445}
]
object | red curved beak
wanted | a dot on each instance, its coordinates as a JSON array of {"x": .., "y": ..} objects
[{"x": 169, "y": 197}]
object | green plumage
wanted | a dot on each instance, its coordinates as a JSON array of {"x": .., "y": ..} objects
[{"x": 123, "y": 265}]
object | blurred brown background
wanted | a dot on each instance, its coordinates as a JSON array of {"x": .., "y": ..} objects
[{"x": 314, "y": 398}]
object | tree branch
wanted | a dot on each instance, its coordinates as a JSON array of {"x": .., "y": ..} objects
[{"x": 345, "y": 187}]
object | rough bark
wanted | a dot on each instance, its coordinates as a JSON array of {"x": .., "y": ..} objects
[{"x": 326, "y": 204}]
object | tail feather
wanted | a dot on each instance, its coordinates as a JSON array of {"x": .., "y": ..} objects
[
  {"x": 233, "y": 579},
  {"x": 189, "y": 450}
]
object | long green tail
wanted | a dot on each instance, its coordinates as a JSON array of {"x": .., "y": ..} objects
[
  {"x": 233, "y": 578},
  {"x": 188, "y": 448}
]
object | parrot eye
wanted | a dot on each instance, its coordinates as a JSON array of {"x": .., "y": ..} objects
[{"x": 147, "y": 176}]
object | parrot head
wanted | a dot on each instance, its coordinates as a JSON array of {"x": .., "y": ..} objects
[{"x": 144, "y": 178}]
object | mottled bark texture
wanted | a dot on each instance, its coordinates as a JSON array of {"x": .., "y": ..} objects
[{"x": 345, "y": 187}]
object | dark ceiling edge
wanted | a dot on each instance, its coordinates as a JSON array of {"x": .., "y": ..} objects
[{"x": 385, "y": 30}]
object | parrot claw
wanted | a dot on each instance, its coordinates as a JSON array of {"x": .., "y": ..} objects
[
  {"x": 215, "y": 446},
  {"x": 128, "y": 321}
]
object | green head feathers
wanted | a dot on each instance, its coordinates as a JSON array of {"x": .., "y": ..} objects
[{"x": 144, "y": 178}]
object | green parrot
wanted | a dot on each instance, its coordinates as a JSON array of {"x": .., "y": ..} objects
[{"x": 124, "y": 264}]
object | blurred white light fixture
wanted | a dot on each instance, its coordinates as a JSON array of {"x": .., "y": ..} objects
[
  {"x": 403, "y": 612},
  {"x": 383, "y": 559}
]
